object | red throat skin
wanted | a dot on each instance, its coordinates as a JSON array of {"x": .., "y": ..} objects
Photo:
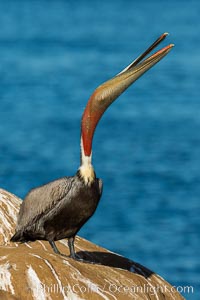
[{"x": 90, "y": 119}]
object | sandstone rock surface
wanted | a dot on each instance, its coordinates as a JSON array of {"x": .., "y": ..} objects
[{"x": 33, "y": 271}]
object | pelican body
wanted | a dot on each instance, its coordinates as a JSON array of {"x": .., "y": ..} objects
[
  {"x": 59, "y": 209},
  {"x": 68, "y": 205}
]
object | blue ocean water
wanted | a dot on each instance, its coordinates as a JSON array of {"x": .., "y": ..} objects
[{"x": 53, "y": 54}]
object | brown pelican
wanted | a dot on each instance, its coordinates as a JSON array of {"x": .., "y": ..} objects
[{"x": 58, "y": 210}]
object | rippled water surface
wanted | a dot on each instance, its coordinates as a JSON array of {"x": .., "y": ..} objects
[{"x": 147, "y": 146}]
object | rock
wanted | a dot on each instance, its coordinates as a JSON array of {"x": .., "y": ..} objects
[
  {"x": 34, "y": 271},
  {"x": 7, "y": 296},
  {"x": 9, "y": 207}
]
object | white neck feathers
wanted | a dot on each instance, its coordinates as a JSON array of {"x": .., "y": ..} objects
[{"x": 86, "y": 169}]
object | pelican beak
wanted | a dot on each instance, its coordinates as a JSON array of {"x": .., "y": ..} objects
[{"x": 106, "y": 93}]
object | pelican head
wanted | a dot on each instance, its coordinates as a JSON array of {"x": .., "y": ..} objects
[{"x": 110, "y": 90}]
